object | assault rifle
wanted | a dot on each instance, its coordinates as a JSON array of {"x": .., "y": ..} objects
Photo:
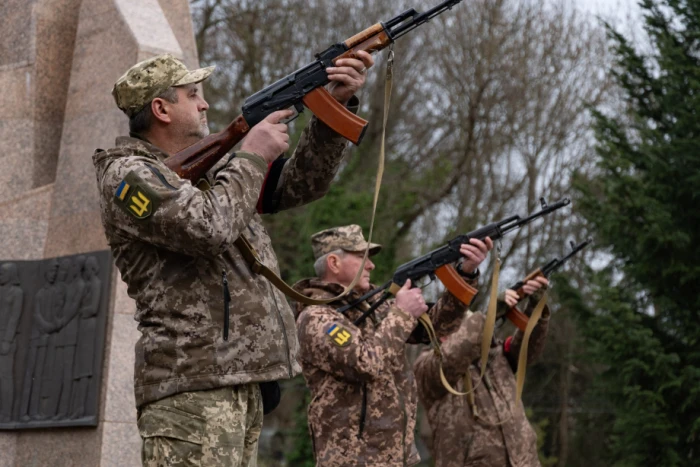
[
  {"x": 438, "y": 263},
  {"x": 516, "y": 316},
  {"x": 304, "y": 87}
]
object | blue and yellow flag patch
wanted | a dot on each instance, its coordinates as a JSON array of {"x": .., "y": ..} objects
[
  {"x": 135, "y": 197},
  {"x": 339, "y": 335}
]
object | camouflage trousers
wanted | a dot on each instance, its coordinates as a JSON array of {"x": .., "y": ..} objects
[{"x": 219, "y": 427}]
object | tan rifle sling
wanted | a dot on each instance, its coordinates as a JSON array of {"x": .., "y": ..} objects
[{"x": 487, "y": 336}]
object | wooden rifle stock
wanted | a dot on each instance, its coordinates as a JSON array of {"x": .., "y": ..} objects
[{"x": 196, "y": 160}]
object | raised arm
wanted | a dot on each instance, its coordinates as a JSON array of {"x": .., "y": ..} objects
[
  {"x": 459, "y": 350},
  {"x": 308, "y": 174}
]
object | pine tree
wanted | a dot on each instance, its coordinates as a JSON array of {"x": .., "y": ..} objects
[{"x": 641, "y": 321}]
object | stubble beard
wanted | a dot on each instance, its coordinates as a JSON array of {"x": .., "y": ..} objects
[{"x": 203, "y": 129}]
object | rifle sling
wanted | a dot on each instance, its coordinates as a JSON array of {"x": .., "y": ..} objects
[
  {"x": 427, "y": 323},
  {"x": 251, "y": 256},
  {"x": 522, "y": 357}
]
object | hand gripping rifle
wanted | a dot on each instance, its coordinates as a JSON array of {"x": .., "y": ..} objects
[
  {"x": 438, "y": 263},
  {"x": 516, "y": 316},
  {"x": 304, "y": 87}
]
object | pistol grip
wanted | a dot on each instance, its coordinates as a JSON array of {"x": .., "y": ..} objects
[
  {"x": 335, "y": 115},
  {"x": 455, "y": 284}
]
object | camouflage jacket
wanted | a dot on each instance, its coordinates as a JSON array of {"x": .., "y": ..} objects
[
  {"x": 459, "y": 439},
  {"x": 173, "y": 244},
  {"x": 363, "y": 410}
]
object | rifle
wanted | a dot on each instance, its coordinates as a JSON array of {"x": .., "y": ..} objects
[
  {"x": 438, "y": 263},
  {"x": 304, "y": 87},
  {"x": 516, "y": 316}
]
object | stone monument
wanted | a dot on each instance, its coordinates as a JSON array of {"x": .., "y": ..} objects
[{"x": 58, "y": 61}]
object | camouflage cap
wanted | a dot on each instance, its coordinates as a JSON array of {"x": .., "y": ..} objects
[
  {"x": 348, "y": 238},
  {"x": 148, "y": 79}
]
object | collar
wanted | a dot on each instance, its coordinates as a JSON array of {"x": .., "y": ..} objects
[{"x": 139, "y": 142}]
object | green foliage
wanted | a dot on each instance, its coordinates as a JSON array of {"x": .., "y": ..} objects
[
  {"x": 641, "y": 318},
  {"x": 541, "y": 429},
  {"x": 302, "y": 452}
]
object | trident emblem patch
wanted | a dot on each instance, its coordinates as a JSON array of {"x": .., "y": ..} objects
[
  {"x": 339, "y": 335},
  {"x": 135, "y": 197}
]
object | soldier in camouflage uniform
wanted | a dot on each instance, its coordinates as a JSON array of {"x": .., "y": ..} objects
[
  {"x": 363, "y": 410},
  {"x": 500, "y": 435},
  {"x": 198, "y": 395}
]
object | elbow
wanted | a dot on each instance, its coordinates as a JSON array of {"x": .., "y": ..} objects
[{"x": 211, "y": 240}]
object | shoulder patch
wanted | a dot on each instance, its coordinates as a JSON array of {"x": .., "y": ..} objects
[
  {"x": 135, "y": 197},
  {"x": 339, "y": 335}
]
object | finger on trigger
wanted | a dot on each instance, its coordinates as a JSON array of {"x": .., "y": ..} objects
[{"x": 275, "y": 117}]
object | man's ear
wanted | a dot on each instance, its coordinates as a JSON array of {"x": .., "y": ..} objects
[
  {"x": 333, "y": 264},
  {"x": 161, "y": 110}
]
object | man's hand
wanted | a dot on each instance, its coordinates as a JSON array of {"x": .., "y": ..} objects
[
  {"x": 268, "y": 138},
  {"x": 474, "y": 253},
  {"x": 529, "y": 288},
  {"x": 348, "y": 76},
  {"x": 511, "y": 298},
  {"x": 411, "y": 300},
  {"x": 533, "y": 285}
]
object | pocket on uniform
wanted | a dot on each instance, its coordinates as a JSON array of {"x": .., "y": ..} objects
[{"x": 169, "y": 422}]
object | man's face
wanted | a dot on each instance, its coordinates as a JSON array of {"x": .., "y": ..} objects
[
  {"x": 52, "y": 272},
  {"x": 349, "y": 264},
  {"x": 189, "y": 113}
]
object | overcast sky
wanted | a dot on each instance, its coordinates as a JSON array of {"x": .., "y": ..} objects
[{"x": 611, "y": 10}]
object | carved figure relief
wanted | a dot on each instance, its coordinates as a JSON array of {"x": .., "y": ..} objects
[
  {"x": 11, "y": 299},
  {"x": 53, "y": 315}
]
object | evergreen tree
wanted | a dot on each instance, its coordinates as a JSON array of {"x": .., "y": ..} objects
[{"x": 641, "y": 318}]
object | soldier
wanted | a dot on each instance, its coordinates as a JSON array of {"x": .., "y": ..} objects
[
  {"x": 363, "y": 410},
  {"x": 198, "y": 394},
  {"x": 493, "y": 431}
]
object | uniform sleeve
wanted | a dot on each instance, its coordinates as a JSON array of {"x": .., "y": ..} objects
[
  {"x": 146, "y": 201},
  {"x": 333, "y": 344},
  {"x": 307, "y": 175},
  {"x": 446, "y": 316},
  {"x": 459, "y": 351},
  {"x": 537, "y": 338}
]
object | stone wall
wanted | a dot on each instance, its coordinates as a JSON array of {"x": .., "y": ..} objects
[{"x": 58, "y": 62}]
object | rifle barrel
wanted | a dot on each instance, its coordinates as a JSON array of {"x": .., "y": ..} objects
[
  {"x": 367, "y": 295},
  {"x": 417, "y": 19}
]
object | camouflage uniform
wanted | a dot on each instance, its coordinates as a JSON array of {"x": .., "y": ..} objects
[
  {"x": 363, "y": 410},
  {"x": 459, "y": 439},
  {"x": 173, "y": 244}
]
